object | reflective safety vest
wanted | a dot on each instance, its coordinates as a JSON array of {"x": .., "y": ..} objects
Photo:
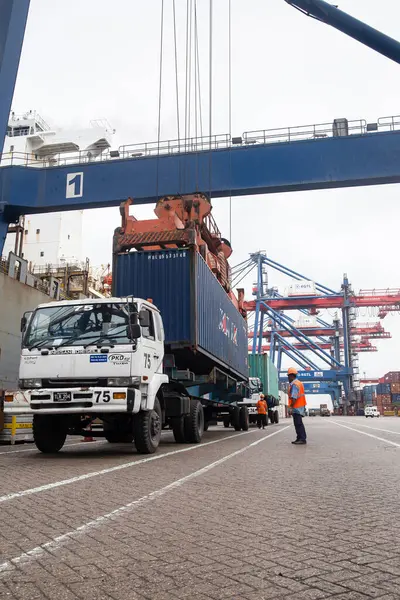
[
  {"x": 301, "y": 400},
  {"x": 262, "y": 407}
]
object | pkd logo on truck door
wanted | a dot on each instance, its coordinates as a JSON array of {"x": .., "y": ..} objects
[
  {"x": 227, "y": 327},
  {"x": 119, "y": 359}
]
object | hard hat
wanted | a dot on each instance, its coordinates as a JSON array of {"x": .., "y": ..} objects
[{"x": 292, "y": 371}]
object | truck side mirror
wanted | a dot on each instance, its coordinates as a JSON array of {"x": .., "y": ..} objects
[
  {"x": 261, "y": 387},
  {"x": 134, "y": 331},
  {"x": 24, "y": 320}
]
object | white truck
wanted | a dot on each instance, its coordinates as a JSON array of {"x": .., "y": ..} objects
[
  {"x": 255, "y": 390},
  {"x": 372, "y": 411},
  {"x": 104, "y": 359}
]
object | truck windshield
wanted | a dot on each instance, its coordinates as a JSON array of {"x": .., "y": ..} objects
[
  {"x": 254, "y": 384},
  {"x": 79, "y": 325}
]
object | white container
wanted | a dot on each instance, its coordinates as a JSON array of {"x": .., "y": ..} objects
[
  {"x": 302, "y": 288},
  {"x": 306, "y": 323}
]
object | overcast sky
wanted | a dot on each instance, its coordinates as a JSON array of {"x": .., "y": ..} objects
[{"x": 87, "y": 59}]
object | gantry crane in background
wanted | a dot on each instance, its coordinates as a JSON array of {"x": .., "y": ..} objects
[{"x": 336, "y": 346}]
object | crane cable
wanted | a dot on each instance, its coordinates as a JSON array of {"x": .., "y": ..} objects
[
  {"x": 210, "y": 95},
  {"x": 176, "y": 76},
  {"x": 198, "y": 73},
  {"x": 230, "y": 112},
  {"x": 160, "y": 96}
]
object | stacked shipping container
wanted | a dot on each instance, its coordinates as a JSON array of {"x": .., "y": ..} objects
[{"x": 385, "y": 395}]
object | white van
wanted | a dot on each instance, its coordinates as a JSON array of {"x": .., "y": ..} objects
[{"x": 371, "y": 411}]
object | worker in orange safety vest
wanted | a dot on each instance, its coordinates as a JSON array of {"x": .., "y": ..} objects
[
  {"x": 297, "y": 404},
  {"x": 261, "y": 412}
]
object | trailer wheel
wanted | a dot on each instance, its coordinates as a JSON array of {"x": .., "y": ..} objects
[
  {"x": 49, "y": 433},
  {"x": 206, "y": 425},
  {"x": 244, "y": 418},
  {"x": 235, "y": 416},
  {"x": 194, "y": 423},
  {"x": 276, "y": 417},
  {"x": 147, "y": 426},
  {"x": 227, "y": 421},
  {"x": 178, "y": 428}
]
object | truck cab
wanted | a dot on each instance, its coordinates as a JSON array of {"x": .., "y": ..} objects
[
  {"x": 371, "y": 411},
  {"x": 89, "y": 359}
]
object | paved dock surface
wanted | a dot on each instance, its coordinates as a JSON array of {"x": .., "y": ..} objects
[{"x": 241, "y": 516}]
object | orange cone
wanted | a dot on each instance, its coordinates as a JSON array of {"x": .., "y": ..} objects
[{"x": 88, "y": 437}]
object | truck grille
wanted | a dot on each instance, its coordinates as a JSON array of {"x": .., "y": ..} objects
[{"x": 57, "y": 383}]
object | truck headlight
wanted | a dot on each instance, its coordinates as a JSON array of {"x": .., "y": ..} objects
[
  {"x": 26, "y": 384},
  {"x": 123, "y": 381}
]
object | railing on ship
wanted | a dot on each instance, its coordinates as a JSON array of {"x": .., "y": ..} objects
[
  {"x": 31, "y": 280},
  {"x": 338, "y": 128}
]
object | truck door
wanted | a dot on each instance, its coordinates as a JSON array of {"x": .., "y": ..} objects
[{"x": 151, "y": 342}]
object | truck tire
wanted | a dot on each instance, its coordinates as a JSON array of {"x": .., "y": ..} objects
[
  {"x": 206, "y": 425},
  {"x": 178, "y": 429},
  {"x": 244, "y": 418},
  {"x": 147, "y": 426},
  {"x": 49, "y": 433},
  {"x": 235, "y": 418},
  {"x": 194, "y": 423},
  {"x": 276, "y": 417},
  {"x": 227, "y": 421}
]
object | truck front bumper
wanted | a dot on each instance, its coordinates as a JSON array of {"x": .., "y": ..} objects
[{"x": 83, "y": 400}]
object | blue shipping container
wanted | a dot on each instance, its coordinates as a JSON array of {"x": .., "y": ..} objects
[
  {"x": 383, "y": 388},
  {"x": 202, "y": 326},
  {"x": 395, "y": 398}
]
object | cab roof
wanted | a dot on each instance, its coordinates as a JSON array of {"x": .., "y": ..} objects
[{"x": 61, "y": 303}]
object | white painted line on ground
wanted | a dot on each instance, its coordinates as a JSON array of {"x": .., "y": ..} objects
[
  {"x": 134, "y": 463},
  {"x": 33, "y": 447},
  {"x": 70, "y": 445},
  {"x": 59, "y": 540},
  {"x": 376, "y": 428},
  {"x": 368, "y": 434}
]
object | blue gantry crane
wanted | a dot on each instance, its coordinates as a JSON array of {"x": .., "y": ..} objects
[
  {"x": 332, "y": 15},
  {"x": 338, "y": 154},
  {"x": 317, "y": 364}
]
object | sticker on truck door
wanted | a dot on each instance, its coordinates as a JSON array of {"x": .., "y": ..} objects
[{"x": 98, "y": 358}]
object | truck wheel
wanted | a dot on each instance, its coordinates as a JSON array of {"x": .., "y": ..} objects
[
  {"x": 178, "y": 428},
  {"x": 227, "y": 421},
  {"x": 276, "y": 417},
  {"x": 49, "y": 433},
  {"x": 147, "y": 427},
  {"x": 194, "y": 423},
  {"x": 244, "y": 418},
  {"x": 235, "y": 416},
  {"x": 206, "y": 425}
]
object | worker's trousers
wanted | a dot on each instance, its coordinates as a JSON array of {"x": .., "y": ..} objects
[
  {"x": 299, "y": 426},
  {"x": 261, "y": 421}
]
